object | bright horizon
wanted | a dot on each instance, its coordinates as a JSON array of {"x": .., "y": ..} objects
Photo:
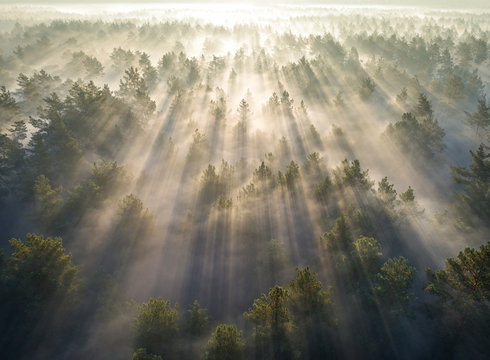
[{"x": 442, "y": 4}]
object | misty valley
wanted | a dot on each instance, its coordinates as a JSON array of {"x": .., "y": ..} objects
[{"x": 219, "y": 181}]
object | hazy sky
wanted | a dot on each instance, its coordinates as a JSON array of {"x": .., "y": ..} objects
[{"x": 426, "y": 3}]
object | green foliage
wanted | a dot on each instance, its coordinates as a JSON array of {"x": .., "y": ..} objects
[
  {"x": 219, "y": 108},
  {"x": 135, "y": 221},
  {"x": 248, "y": 191},
  {"x": 122, "y": 59},
  {"x": 223, "y": 202},
  {"x": 273, "y": 105},
  {"x": 66, "y": 152},
  {"x": 409, "y": 205},
  {"x": 313, "y": 166},
  {"x": 263, "y": 173},
  {"x": 213, "y": 186},
  {"x": 92, "y": 66},
  {"x": 38, "y": 271},
  {"x": 96, "y": 118},
  {"x": 46, "y": 313},
  {"x": 156, "y": 327},
  {"x": 89, "y": 64},
  {"x": 354, "y": 176},
  {"x": 465, "y": 281},
  {"x": 272, "y": 325},
  {"x": 39, "y": 157},
  {"x": 312, "y": 311},
  {"x": 12, "y": 158},
  {"x": 39, "y": 285},
  {"x": 275, "y": 260},
  {"x": 18, "y": 131},
  {"x": 480, "y": 119},
  {"x": 314, "y": 136},
  {"x": 393, "y": 283},
  {"x": 150, "y": 73},
  {"x": 454, "y": 88},
  {"x": 292, "y": 174},
  {"x": 244, "y": 112},
  {"x": 386, "y": 192},
  {"x": 338, "y": 238},
  {"x": 423, "y": 137},
  {"x": 367, "y": 251},
  {"x": 424, "y": 106},
  {"x": 321, "y": 191},
  {"x": 34, "y": 88},
  {"x": 131, "y": 207},
  {"x": 198, "y": 149},
  {"x": 107, "y": 178},
  {"x": 307, "y": 298},
  {"x": 477, "y": 183},
  {"x": 141, "y": 354},
  {"x": 48, "y": 201},
  {"x": 133, "y": 89},
  {"x": 407, "y": 196},
  {"x": 196, "y": 321},
  {"x": 225, "y": 344},
  {"x": 462, "y": 306},
  {"x": 286, "y": 103},
  {"x": 9, "y": 109}
]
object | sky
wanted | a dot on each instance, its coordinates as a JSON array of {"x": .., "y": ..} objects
[{"x": 426, "y": 3}]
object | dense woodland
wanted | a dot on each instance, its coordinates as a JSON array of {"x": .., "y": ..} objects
[{"x": 314, "y": 185}]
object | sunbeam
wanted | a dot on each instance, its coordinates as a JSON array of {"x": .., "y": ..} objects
[{"x": 230, "y": 180}]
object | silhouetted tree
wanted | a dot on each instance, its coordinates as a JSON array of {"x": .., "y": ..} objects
[
  {"x": 312, "y": 312},
  {"x": 461, "y": 311}
]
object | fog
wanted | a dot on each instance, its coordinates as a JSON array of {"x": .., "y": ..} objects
[{"x": 204, "y": 151}]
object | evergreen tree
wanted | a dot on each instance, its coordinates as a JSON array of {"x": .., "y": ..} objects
[
  {"x": 386, "y": 192},
  {"x": 367, "y": 254},
  {"x": 156, "y": 327},
  {"x": 272, "y": 325},
  {"x": 141, "y": 354},
  {"x": 9, "y": 109},
  {"x": 196, "y": 321},
  {"x": 48, "y": 201},
  {"x": 392, "y": 285},
  {"x": 477, "y": 183},
  {"x": 311, "y": 308},
  {"x": 462, "y": 310},
  {"x": 418, "y": 137},
  {"x": 38, "y": 285},
  {"x": 480, "y": 119},
  {"x": 338, "y": 238},
  {"x": 133, "y": 89},
  {"x": 225, "y": 344},
  {"x": 354, "y": 176},
  {"x": 424, "y": 106}
]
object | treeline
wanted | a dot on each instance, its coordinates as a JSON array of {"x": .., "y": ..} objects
[
  {"x": 250, "y": 161},
  {"x": 444, "y": 60},
  {"x": 44, "y": 301}
]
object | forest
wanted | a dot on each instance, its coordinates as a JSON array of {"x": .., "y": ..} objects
[{"x": 244, "y": 182}]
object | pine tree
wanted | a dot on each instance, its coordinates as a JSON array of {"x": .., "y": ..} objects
[
  {"x": 225, "y": 344},
  {"x": 476, "y": 179},
  {"x": 424, "y": 106},
  {"x": 272, "y": 325},
  {"x": 480, "y": 119}
]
